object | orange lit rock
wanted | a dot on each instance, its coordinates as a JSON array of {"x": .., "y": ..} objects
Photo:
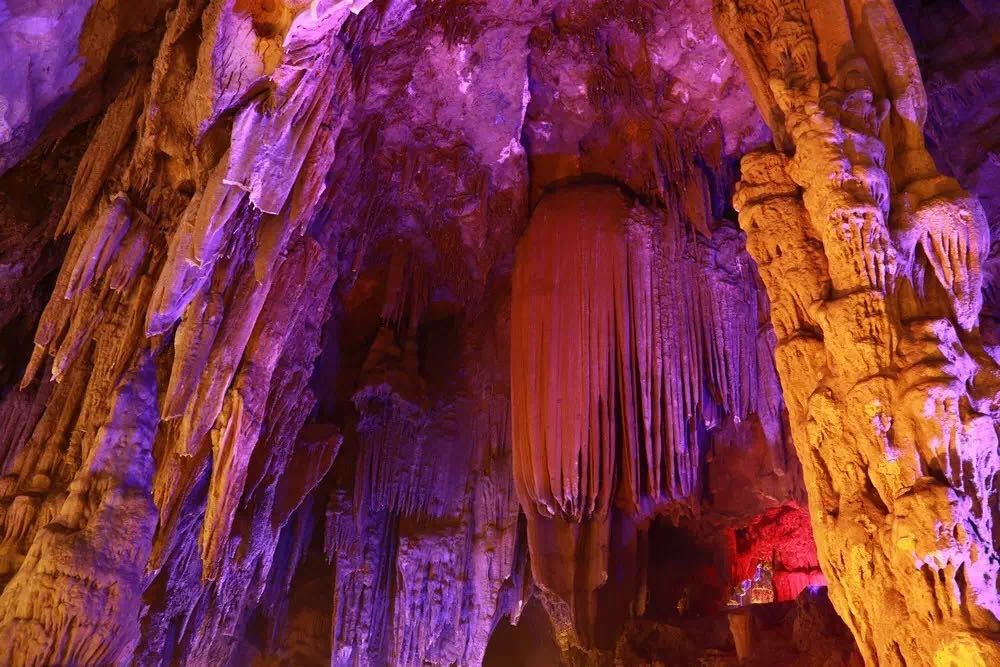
[{"x": 873, "y": 263}]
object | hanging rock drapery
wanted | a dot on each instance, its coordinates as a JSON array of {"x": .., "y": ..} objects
[{"x": 628, "y": 339}]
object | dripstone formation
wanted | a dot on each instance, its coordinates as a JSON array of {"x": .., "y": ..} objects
[
  {"x": 503, "y": 332},
  {"x": 873, "y": 262}
]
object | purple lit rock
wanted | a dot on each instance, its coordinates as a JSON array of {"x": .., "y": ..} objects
[{"x": 280, "y": 383}]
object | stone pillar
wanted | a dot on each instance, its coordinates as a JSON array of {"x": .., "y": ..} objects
[
  {"x": 741, "y": 627},
  {"x": 871, "y": 260}
]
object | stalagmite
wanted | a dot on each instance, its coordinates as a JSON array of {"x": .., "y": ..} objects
[{"x": 873, "y": 264}]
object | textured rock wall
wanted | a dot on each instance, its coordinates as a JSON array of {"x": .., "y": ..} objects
[
  {"x": 873, "y": 262},
  {"x": 781, "y": 536}
]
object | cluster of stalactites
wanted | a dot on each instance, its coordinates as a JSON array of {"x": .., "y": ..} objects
[
  {"x": 631, "y": 337},
  {"x": 226, "y": 276},
  {"x": 626, "y": 342}
]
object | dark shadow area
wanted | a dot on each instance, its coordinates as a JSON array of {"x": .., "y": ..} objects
[
  {"x": 530, "y": 643},
  {"x": 684, "y": 576}
]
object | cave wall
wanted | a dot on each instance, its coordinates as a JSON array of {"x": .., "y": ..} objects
[{"x": 260, "y": 306}]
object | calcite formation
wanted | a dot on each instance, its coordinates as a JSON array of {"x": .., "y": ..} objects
[
  {"x": 627, "y": 338},
  {"x": 780, "y": 541},
  {"x": 873, "y": 261},
  {"x": 409, "y": 332}
]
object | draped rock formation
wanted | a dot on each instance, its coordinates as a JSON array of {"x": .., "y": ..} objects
[
  {"x": 873, "y": 262},
  {"x": 626, "y": 346},
  {"x": 424, "y": 332},
  {"x": 167, "y": 468}
]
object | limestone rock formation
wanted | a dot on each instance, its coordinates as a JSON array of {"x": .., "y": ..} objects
[
  {"x": 627, "y": 340},
  {"x": 409, "y": 332},
  {"x": 874, "y": 264}
]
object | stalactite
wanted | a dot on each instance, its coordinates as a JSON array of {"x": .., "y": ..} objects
[
  {"x": 146, "y": 254},
  {"x": 362, "y": 558},
  {"x": 564, "y": 434},
  {"x": 426, "y": 544},
  {"x": 629, "y": 336}
]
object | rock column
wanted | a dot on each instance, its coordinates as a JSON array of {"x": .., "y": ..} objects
[{"x": 872, "y": 260}]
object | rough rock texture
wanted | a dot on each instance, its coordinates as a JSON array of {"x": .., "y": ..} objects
[
  {"x": 419, "y": 332},
  {"x": 806, "y": 632},
  {"x": 783, "y": 537},
  {"x": 873, "y": 262}
]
